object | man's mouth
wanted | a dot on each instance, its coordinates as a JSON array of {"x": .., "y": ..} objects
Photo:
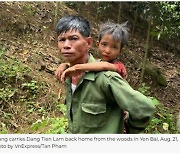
[{"x": 67, "y": 54}]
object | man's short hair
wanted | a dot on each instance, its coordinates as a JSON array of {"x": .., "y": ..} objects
[{"x": 72, "y": 22}]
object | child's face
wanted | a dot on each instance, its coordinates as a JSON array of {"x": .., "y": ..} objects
[{"x": 108, "y": 48}]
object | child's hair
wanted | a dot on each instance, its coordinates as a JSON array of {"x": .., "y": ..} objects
[
  {"x": 119, "y": 32},
  {"x": 74, "y": 23}
]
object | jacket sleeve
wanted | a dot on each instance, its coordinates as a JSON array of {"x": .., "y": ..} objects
[{"x": 141, "y": 109}]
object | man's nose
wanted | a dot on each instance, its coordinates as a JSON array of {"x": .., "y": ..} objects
[{"x": 67, "y": 44}]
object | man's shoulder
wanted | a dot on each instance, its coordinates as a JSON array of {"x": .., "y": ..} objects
[
  {"x": 104, "y": 78},
  {"x": 108, "y": 74}
]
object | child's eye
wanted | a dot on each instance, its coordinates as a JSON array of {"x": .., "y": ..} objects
[{"x": 103, "y": 44}]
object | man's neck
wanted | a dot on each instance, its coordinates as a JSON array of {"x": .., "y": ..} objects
[
  {"x": 82, "y": 60},
  {"x": 75, "y": 79}
]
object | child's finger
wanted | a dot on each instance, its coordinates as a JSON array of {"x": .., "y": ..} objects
[
  {"x": 58, "y": 75},
  {"x": 63, "y": 77}
]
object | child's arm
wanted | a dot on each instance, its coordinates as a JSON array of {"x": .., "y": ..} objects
[
  {"x": 61, "y": 69},
  {"x": 95, "y": 66}
]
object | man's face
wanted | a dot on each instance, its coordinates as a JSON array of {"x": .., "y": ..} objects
[{"x": 74, "y": 47}]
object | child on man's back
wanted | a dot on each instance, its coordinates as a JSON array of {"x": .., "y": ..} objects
[{"x": 112, "y": 38}]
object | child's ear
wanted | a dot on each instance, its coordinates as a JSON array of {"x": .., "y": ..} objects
[
  {"x": 121, "y": 50},
  {"x": 97, "y": 43}
]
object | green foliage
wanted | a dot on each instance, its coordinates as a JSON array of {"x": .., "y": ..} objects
[
  {"x": 32, "y": 86},
  {"x": 155, "y": 101},
  {"x": 155, "y": 74},
  {"x": 104, "y": 8},
  {"x": 165, "y": 17},
  {"x": 12, "y": 75},
  {"x": 3, "y": 129},
  {"x": 139, "y": 7},
  {"x": 19, "y": 100},
  {"x": 11, "y": 70},
  {"x": 163, "y": 120},
  {"x": 58, "y": 126},
  {"x": 52, "y": 125},
  {"x": 144, "y": 89},
  {"x": 169, "y": 19},
  {"x": 29, "y": 9},
  {"x": 62, "y": 108},
  {"x": 72, "y": 5},
  {"x": 161, "y": 80}
]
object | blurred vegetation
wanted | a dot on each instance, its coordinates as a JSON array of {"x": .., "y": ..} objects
[
  {"x": 22, "y": 109},
  {"x": 19, "y": 100}
]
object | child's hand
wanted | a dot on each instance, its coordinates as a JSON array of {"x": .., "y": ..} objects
[
  {"x": 71, "y": 71},
  {"x": 126, "y": 115},
  {"x": 123, "y": 72},
  {"x": 60, "y": 70},
  {"x": 120, "y": 68}
]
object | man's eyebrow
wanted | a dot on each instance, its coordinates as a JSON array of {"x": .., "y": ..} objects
[
  {"x": 73, "y": 34},
  {"x": 60, "y": 37}
]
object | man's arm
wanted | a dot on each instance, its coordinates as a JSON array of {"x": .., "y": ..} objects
[
  {"x": 140, "y": 108},
  {"x": 95, "y": 66}
]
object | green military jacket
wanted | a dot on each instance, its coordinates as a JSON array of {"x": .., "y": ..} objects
[{"x": 98, "y": 102}]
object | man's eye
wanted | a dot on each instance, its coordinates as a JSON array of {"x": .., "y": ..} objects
[
  {"x": 61, "y": 39},
  {"x": 74, "y": 38}
]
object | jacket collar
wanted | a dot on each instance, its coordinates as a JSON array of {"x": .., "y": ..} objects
[{"x": 90, "y": 75}]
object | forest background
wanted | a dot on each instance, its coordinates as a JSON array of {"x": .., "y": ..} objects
[{"x": 32, "y": 99}]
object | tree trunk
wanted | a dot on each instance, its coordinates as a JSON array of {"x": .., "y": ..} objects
[
  {"x": 134, "y": 22},
  {"x": 146, "y": 48},
  {"x": 119, "y": 13},
  {"x": 56, "y": 13},
  {"x": 97, "y": 12}
]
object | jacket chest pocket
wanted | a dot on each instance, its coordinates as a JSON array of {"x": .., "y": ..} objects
[{"x": 93, "y": 115}]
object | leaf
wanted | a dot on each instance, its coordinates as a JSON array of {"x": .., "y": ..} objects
[
  {"x": 155, "y": 101},
  {"x": 24, "y": 52},
  {"x": 159, "y": 35},
  {"x": 165, "y": 126}
]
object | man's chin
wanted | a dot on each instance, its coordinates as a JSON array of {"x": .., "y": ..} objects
[{"x": 68, "y": 59}]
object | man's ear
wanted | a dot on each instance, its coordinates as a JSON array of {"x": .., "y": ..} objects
[{"x": 89, "y": 41}]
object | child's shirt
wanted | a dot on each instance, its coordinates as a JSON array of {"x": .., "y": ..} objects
[{"x": 120, "y": 67}]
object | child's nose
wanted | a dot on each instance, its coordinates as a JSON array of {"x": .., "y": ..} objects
[{"x": 107, "y": 51}]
